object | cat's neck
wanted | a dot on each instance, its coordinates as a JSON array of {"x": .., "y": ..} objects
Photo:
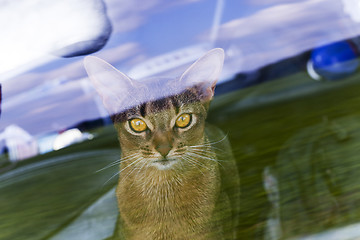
[
  {"x": 174, "y": 176},
  {"x": 153, "y": 181},
  {"x": 163, "y": 190}
]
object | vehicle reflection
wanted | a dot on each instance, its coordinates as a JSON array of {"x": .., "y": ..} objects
[
  {"x": 294, "y": 140},
  {"x": 305, "y": 147}
]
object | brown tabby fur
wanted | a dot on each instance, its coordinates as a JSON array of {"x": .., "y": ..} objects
[
  {"x": 182, "y": 201},
  {"x": 176, "y": 203}
]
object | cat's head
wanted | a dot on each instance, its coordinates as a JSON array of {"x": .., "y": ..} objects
[{"x": 159, "y": 121}]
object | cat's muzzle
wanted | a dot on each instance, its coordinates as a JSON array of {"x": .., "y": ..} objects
[{"x": 164, "y": 163}]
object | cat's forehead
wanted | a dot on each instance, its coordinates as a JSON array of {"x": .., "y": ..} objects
[
  {"x": 158, "y": 80},
  {"x": 152, "y": 96},
  {"x": 166, "y": 106},
  {"x": 156, "y": 88}
]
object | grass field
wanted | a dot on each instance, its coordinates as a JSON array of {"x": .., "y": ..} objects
[{"x": 306, "y": 132}]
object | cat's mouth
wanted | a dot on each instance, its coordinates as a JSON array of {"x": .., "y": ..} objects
[{"x": 164, "y": 163}]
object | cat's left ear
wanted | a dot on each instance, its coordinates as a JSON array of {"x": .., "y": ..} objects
[
  {"x": 205, "y": 72},
  {"x": 112, "y": 85}
]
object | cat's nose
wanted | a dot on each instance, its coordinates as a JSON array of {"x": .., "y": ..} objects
[
  {"x": 163, "y": 150},
  {"x": 163, "y": 142}
]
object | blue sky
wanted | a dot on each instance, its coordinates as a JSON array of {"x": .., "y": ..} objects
[{"x": 252, "y": 32}]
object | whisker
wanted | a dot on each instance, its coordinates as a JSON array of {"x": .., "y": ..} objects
[
  {"x": 129, "y": 157},
  {"x": 122, "y": 170},
  {"x": 204, "y": 154},
  {"x": 111, "y": 178},
  {"x": 197, "y": 155},
  {"x": 117, "y": 162},
  {"x": 194, "y": 154},
  {"x": 210, "y": 143},
  {"x": 205, "y": 147},
  {"x": 137, "y": 162},
  {"x": 189, "y": 158},
  {"x": 138, "y": 172}
]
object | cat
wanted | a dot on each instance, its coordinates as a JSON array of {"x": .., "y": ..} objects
[{"x": 170, "y": 182}]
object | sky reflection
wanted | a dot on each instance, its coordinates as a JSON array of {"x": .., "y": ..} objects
[{"x": 253, "y": 34}]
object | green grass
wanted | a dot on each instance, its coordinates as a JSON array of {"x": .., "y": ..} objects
[
  {"x": 42, "y": 195},
  {"x": 306, "y": 131}
]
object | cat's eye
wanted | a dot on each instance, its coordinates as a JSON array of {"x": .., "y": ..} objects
[
  {"x": 183, "y": 120},
  {"x": 138, "y": 125}
]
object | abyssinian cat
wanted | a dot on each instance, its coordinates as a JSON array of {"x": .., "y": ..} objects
[{"x": 170, "y": 184}]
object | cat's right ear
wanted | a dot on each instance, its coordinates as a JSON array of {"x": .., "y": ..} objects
[
  {"x": 205, "y": 72},
  {"x": 111, "y": 84}
]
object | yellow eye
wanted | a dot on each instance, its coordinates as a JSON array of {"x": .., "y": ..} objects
[
  {"x": 183, "y": 120},
  {"x": 138, "y": 125}
]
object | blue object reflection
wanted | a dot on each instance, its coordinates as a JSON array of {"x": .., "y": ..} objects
[{"x": 334, "y": 61}]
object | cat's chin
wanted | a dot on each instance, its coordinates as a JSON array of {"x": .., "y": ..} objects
[{"x": 164, "y": 164}]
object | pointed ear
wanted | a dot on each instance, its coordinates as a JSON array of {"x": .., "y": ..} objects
[
  {"x": 205, "y": 72},
  {"x": 111, "y": 84}
]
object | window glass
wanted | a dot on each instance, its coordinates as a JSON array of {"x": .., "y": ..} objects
[{"x": 284, "y": 109}]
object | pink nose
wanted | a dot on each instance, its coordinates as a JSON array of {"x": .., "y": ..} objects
[{"x": 163, "y": 150}]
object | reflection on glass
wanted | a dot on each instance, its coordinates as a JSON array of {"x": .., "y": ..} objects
[
  {"x": 317, "y": 173},
  {"x": 288, "y": 157}
]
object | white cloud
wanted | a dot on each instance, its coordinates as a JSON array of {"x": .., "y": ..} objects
[
  {"x": 129, "y": 15},
  {"x": 285, "y": 30},
  {"x": 352, "y": 7},
  {"x": 269, "y": 2},
  {"x": 120, "y": 53},
  {"x": 31, "y": 31}
]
